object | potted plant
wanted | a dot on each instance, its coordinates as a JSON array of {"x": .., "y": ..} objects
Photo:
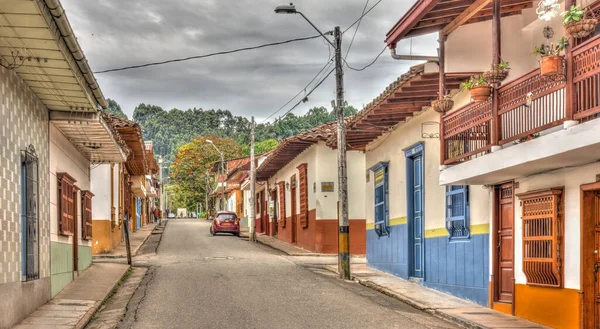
[
  {"x": 551, "y": 63},
  {"x": 498, "y": 73},
  {"x": 576, "y": 24},
  {"x": 478, "y": 88},
  {"x": 443, "y": 105}
]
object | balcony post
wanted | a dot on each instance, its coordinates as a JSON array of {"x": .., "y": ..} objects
[
  {"x": 442, "y": 92},
  {"x": 496, "y": 59},
  {"x": 569, "y": 94}
]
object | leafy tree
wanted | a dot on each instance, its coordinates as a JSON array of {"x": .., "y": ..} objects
[
  {"x": 115, "y": 109},
  {"x": 261, "y": 147}
]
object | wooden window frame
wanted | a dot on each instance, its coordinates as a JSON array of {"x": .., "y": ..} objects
[
  {"x": 282, "y": 218},
  {"x": 382, "y": 227},
  {"x": 66, "y": 204},
  {"x": 303, "y": 194},
  {"x": 86, "y": 215},
  {"x": 462, "y": 192},
  {"x": 542, "y": 216}
]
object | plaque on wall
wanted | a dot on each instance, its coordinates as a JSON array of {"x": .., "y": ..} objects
[{"x": 327, "y": 186}]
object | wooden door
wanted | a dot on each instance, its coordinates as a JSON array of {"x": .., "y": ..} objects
[
  {"x": 590, "y": 255},
  {"x": 293, "y": 204},
  {"x": 416, "y": 233},
  {"x": 504, "y": 280}
]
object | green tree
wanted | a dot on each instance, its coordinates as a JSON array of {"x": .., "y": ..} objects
[
  {"x": 261, "y": 147},
  {"x": 115, "y": 109}
]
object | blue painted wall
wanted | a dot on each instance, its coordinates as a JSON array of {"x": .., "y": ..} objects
[
  {"x": 459, "y": 268},
  {"x": 389, "y": 253}
]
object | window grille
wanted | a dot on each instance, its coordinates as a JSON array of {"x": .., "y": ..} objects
[
  {"x": 281, "y": 203},
  {"x": 30, "y": 215},
  {"x": 457, "y": 212},
  {"x": 302, "y": 175},
  {"x": 542, "y": 236},
  {"x": 381, "y": 199}
]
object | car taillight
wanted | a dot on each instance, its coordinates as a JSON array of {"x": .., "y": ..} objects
[
  {"x": 237, "y": 222},
  {"x": 218, "y": 222}
]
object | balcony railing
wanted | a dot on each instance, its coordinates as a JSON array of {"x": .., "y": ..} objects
[{"x": 526, "y": 106}]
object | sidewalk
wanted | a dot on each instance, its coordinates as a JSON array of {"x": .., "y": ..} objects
[
  {"x": 453, "y": 309},
  {"x": 76, "y": 304},
  {"x": 136, "y": 240}
]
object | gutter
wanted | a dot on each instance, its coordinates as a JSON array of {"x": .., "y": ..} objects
[
  {"x": 57, "y": 11},
  {"x": 411, "y": 57}
]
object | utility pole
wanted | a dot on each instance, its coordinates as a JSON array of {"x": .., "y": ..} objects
[
  {"x": 252, "y": 183},
  {"x": 344, "y": 227},
  {"x": 206, "y": 194},
  {"x": 223, "y": 183},
  {"x": 162, "y": 205}
]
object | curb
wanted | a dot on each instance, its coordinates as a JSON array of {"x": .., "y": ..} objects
[
  {"x": 134, "y": 252},
  {"x": 295, "y": 254},
  {"x": 439, "y": 313},
  {"x": 90, "y": 313}
]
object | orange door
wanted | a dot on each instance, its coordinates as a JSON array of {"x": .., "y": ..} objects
[
  {"x": 590, "y": 255},
  {"x": 505, "y": 257}
]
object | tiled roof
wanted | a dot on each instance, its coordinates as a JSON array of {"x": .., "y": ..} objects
[{"x": 131, "y": 133}]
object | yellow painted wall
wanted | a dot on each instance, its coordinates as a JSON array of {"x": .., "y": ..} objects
[
  {"x": 104, "y": 239},
  {"x": 553, "y": 307}
]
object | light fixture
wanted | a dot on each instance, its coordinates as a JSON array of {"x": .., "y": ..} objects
[
  {"x": 286, "y": 9},
  {"x": 209, "y": 141},
  {"x": 547, "y": 9}
]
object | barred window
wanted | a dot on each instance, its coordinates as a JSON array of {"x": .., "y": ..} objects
[
  {"x": 30, "y": 249},
  {"x": 457, "y": 212},
  {"x": 381, "y": 199}
]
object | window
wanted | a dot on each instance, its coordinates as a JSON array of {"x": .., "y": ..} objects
[
  {"x": 66, "y": 204},
  {"x": 542, "y": 235},
  {"x": 30, "y": 264},
  {"x": 86, "y": 215},
  {"x": 457, "y": 212},
  {"x": 281, "y": 203},
  {"x": 381, "y": 199},
  {"x": 302, "y": 175}
]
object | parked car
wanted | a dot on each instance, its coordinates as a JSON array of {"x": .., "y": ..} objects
[
  {"x": 171, "y": 215},
  {"x": 225, "y": 222}
]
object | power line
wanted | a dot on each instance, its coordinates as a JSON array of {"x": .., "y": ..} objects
[
  {"x": 357, "y": 27},
  {"x": 361, "y": 16},
  {"x": 368, "y": 65},
  {"x": 208, "y": 55},
  {"x": 310, "y": 92}
]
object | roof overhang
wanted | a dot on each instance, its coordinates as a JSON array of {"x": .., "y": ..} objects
[
  {"x": 291, "y": 147},
  {"x": 40, "y": 45},
  {"x": 91, "y": 135},
  {"x": 428, "y": 16},
  {"x": 131, "y": 133},
  {"x": 403, "y": 98}
]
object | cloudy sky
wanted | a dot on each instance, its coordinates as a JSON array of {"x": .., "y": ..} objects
[{"x": 116, "y": 33}]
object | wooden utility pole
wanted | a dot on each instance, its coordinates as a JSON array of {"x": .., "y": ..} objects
[
  {"x": 252, "y": 218},
  {"x": 206, "y": 194},
  {"x": 127, "y": 243},
  {"x": 344, "y": 225}
]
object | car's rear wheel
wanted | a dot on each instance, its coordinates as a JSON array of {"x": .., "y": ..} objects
[{"x": 212, "y": 231}]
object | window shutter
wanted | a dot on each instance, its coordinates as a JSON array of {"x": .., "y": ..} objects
[
  {"x": 381, "y": 199},
  {"x": 457, "y": 212},
  {"x": 542, "y": 236},
  {"x": 86, "y": 215},
  {"x": 66, "y": 206},
  {"x": 281, "y": 203},
  {"x": 302, "y": 170}
]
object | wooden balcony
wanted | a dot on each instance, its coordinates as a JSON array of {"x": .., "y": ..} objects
[{"x": 525, "y": 106}]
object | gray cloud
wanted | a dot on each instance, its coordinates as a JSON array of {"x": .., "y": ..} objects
[{"x": 116, "y": 33}]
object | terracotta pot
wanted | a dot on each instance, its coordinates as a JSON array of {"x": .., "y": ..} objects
[
  {"x": 582, "y": 28},
  {"x": 442, "y": 105},
  {"x": 551, "y": 65},
  {"x": 494, "y": 76},
  {"x": 481, "y": 93}
]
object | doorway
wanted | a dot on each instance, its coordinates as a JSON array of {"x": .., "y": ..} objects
[
  {"x": 293, "y": 204},
  {"x": 503, "y": 239},
  {"x": 415, "y": 205},
  {"x": 590, "y": 259}
]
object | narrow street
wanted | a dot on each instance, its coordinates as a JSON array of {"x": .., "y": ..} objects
[{"x": 198, "y": 281}]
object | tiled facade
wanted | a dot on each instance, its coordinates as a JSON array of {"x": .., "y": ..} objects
[{"x": 23, "y": 122}]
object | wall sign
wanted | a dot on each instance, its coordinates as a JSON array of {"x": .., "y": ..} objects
[{"x": 327, "y": 186}]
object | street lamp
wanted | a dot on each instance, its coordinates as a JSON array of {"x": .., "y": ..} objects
[
  {"x": 344, "y": 229},
  {"x": 222, "y": 203},
  {"x": 162, "y": 205}
]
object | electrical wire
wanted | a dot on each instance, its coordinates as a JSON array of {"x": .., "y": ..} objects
[
  {"x": 361, "y": 16},
  {"x": 310, "y": 92},
  {"x": 368, "y": 65},
  {"x": 357, "y": 27},
  {"x": 208, "y": 55}
]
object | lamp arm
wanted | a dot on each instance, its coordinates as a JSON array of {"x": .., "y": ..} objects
[{"x": 316, "y": 28}]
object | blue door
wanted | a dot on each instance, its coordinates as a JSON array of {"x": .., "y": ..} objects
[
  {"x": 138, "y": 213},
  {"x": 415, "y": 190}
]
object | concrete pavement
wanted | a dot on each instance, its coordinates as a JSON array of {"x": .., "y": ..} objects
[
  {"x": 199, "y": 281},
  {"x": 74, "y": 306},
  {"x": 136, "y": 241}
]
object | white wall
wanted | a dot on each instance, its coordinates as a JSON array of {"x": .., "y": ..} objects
[
  {"x": 101, "y": 189},
  {"x": 571, "y": 179},
  {"x": 64, "y": 157},
  {"x": 390, "y": 148}
]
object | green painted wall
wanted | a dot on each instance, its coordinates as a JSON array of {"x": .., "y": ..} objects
[
  {"x": 61, "y": 266},
  {"x": 85, "y": 257}
]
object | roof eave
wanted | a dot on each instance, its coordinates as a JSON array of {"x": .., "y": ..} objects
[{"x": 408, "y": 21}]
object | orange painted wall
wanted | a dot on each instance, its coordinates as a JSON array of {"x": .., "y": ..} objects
[
  {"x": 322, "y": 235},
  {"x": 553, "y": 307},
  {"x": 103, "y": 238}
]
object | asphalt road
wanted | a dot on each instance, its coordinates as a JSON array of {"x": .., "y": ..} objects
[{"x": 199, "y": 281}]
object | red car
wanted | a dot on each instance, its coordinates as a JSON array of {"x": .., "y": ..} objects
[{"x": 225, "y": 222}]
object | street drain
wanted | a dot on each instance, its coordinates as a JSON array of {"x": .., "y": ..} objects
[{"x": 218, "y": 258}]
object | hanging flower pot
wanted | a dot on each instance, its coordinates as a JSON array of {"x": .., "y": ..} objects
[
  {"x": 442, "y": 105},
  {"x": 581, "y": 28},
  {"x": 551, "y": 65},
  {"x": 480, "y": 93}
]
